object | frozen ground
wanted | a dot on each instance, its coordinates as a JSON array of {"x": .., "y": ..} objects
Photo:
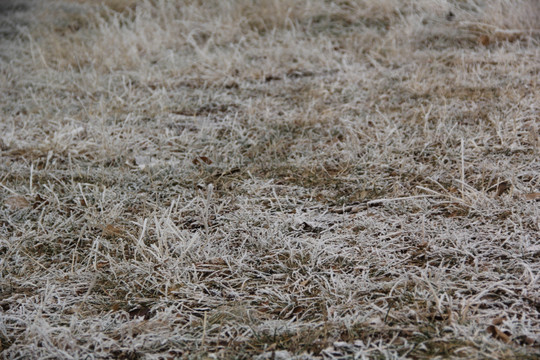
[{"x": 233, "y": 179}]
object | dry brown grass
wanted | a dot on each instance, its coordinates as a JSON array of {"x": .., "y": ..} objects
[{"x": 271, "y": 179}]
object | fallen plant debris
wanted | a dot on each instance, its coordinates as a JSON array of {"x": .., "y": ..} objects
[
  {"x": 17, "y": 202},
  {"x": 269, "y": 179},
  {"x": 532, "y": 196},
  {"x": 498, "y": 334}
]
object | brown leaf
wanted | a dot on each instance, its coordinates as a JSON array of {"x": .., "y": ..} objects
[
  {"x": 204, "y": 159},
  {"x": 484, "y": 40},
  {"x": 141, "y": 311},
  {"x": 498, "y": 334},
  {"x": 499, "y": 320},
  {"x": 111, "y": 230},
  {"x": 102, "y": 264},
  {"x": 269, "y": 78},
  {"x": 424, "y": 244},
  {"x": 525, "y": 340},
  {"x": 217, "y": 261},
  {"x": 38, "y": 201},
  {"x": 17, "y": 202},
  {"x": 502, "y": 188},
  {"x": 532, "y": 196}
]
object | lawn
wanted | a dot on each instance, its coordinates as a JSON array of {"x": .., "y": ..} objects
[{"x": 270, "y": 179}]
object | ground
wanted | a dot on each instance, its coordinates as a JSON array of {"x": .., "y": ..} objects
[{"x": 270, "y": 179}]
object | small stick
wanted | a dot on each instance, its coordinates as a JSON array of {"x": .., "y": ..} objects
[
  {"x": 462, "y": 169},
  {"x": 204, "y": 328},
  {"x": 31, "y": 178},
  {"x": 378, "y": 201}
]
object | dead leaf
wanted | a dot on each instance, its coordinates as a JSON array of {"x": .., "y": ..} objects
[
  {"x": 499, "y": 320},
  {"x": 532, "y": 196},
  {"x": 498, "y": 334},
  {"x": 102, "y": 264},
  {"x": 484, "y": 40},
  {"x": 204, "y": 159},
  {"x": 502, "y": 188},
  {"x": 111, "y": 230},
  {"x": 424, "y": 244},
  {"x": 38, "y": 201},
  {"x": 525, "y": 340},
  {"x": 269, "y": 78},
  {"x": 17, "y": 202},
  {"x": 141, "y": 311}
]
